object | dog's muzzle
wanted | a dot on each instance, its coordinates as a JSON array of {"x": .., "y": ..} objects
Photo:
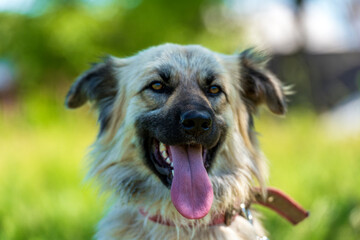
[{"x": 180, "y": 144}]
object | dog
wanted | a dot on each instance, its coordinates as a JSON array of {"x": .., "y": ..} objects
[{"x": 177, "y": 145}]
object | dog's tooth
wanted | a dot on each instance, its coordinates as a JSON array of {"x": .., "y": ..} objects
[
  {"x": 167, "y": 160},
  {"x": 162, "y": 147},
  {"x": 164, "y": 154},
  {"x": 171, "y": 164},
  {"x": 172, "y": 172}
]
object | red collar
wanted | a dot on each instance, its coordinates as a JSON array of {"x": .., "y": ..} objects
[
  {"x": 275, "y": 200},
  {"x": 217, "y": 220}
]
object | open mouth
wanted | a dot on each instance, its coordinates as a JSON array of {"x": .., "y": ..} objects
[
  {"x": 163, "y": 161},
  {"x": 184, "y": 169}
]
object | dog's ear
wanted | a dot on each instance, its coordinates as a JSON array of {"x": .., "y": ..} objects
[
  {"x": 96, "y": 85},
  {"x": 259, "y": 85}
]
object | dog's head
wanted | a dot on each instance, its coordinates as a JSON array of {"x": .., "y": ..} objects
[{"x": 176, "y": 123}]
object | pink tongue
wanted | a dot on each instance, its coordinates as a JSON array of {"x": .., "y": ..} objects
[{"x": 191, "y": 190}]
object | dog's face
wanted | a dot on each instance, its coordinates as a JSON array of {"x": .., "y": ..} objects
[{"x": 178, "y": 118}]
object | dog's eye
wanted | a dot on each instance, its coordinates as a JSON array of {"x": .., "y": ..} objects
[
  {"x": 214, "y": 90},
  {"x": 157, "y": 86}
]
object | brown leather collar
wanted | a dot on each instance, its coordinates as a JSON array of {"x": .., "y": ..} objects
[
  {"x": 273, "y": 199},
  {"x": 281, "y": 203}
]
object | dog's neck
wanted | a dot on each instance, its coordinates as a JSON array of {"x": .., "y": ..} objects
[
  {"x": 274, "y": 199},
  {"x": 226, "y": 218}
]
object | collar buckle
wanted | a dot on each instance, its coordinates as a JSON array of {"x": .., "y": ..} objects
[
  {"x": 243, "y": 211},
  {"x": 246, "y": 213}
]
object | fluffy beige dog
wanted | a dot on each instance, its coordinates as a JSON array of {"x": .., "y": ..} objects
[{"x": 176, "y": 144}]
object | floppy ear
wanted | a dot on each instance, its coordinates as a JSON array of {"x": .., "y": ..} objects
[
  {"x": 97, "y": 85},
  {"x": 259, "y": 85}
]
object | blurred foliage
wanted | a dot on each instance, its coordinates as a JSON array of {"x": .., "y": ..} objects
[{"x": 54, "y": 46}]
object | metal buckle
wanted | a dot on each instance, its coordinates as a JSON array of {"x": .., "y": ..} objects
[{"x": 246, "y": 213}]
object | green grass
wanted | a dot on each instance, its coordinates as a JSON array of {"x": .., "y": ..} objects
[
  {"x": 320, "y": 172},
  {"x": 43, "y": 196}
]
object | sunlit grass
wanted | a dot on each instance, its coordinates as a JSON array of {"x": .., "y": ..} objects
[
  {"x": 320, "y": 172},
  {"x": 43, "y": 196}
]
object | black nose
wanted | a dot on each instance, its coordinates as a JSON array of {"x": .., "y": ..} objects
[{"x": 196, "y": 122}]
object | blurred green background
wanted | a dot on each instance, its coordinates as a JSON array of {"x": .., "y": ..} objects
[{"x": 314, "y": 152}]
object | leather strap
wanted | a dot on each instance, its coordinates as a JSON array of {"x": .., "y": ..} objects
[
  {"x": 156, "y": 218},
  {"x": 282, "y": 204}
]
